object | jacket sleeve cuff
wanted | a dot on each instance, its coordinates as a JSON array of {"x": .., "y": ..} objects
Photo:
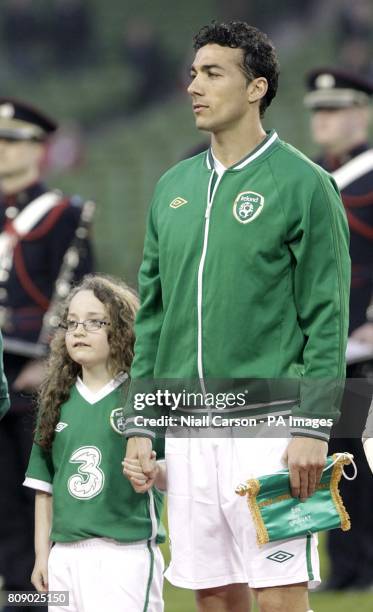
[
  {"x": 304, "y": 431},
  {"x": 131, "y": 430}
]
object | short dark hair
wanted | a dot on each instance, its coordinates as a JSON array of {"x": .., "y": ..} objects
[{"x": 259, "y": 54}]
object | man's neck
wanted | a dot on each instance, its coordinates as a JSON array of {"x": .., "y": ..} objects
[
  {"x": 13, "y": 184},
  {"x": 229, "y": 147}
]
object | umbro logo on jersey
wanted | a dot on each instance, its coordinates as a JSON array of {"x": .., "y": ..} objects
[
  {"x": 247, "y": 206},
  {"x": 117, "y": 420},
  {"x": 177, "y": 202},
  {"x": 280, "y": 556},
  {"x": 60, "y": 426}
]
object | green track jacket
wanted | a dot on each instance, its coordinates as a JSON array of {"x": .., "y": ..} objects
[{"x": 246, "y": 276}]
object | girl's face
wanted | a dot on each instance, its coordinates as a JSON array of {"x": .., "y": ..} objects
[{"x": 89, "y": 348}]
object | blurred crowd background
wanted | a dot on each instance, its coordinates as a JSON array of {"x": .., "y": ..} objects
[{"x": 114, "y": 74}]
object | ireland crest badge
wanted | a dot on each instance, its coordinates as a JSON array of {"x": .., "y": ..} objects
[
  {"x": 247, "y": 206},
  {"x": 117, "y": 420}
]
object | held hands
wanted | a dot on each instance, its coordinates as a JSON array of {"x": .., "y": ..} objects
[
  {"x": 305, "y": 458},
  {"x": 133, "y": 471},
  {"x": 39, "y": 576},
  {"x": 139, "y": 465}
]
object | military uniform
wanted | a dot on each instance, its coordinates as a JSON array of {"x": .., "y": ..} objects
[
  {"x": 30, "y": 263},
  {"x": 351, "y": 554}
]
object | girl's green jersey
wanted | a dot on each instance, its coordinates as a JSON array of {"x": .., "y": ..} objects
[{"x": 91, "y": 497}]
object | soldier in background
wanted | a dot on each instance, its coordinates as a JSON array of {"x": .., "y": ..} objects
[
  {"x": 38, "y": 227},
  {"x": 340, "y": 105}
]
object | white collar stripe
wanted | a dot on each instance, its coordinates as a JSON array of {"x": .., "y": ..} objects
[
  {"x": 208, "y": 159},
  {"x": 257, "y": 153},
  {"x": 92, "y": 397}
]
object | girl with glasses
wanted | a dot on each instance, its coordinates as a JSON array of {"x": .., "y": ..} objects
[{"x": 105, "y": 535}]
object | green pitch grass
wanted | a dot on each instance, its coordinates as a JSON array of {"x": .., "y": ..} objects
[{"x": 182, "y": 600}]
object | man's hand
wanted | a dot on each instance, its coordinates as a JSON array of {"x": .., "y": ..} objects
[
  {"x": 39, "y": 576},
  {"x": 306, "y": 458},
  {"x": 141, "y": 448}
]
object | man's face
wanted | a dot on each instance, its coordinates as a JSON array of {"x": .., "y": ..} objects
[
  {"x": 219, "y": 88},
  {"x": 17, "y": 157},
  {"x": 336, "y": 129}
]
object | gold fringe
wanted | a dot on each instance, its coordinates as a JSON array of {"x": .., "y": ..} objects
[
  {"x": 334, "y": 490},
  {"x": 251, "y": 489}
]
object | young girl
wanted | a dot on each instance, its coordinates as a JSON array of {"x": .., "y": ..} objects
[{"x": 105, "y": 534}]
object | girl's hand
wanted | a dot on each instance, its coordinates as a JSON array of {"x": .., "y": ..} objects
[
  {"x": 39, "y": 576},
  {"x": 140, "y": 482}
]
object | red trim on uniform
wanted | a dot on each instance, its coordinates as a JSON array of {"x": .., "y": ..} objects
[
  {"x": 10, "y": 229},
  {"x": 361, "y": 200},
  {"x": 26, "y": 281},
  {"x": 359, "y": 226},
  {"x": 48, "y": 222}
]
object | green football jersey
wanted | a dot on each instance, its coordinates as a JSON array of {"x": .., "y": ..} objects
[{"x": 83, "y": 472}]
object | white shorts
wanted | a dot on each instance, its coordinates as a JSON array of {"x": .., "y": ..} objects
[
  {"x": 103, "y": 574},
  {"x": 212, "y": 536}
]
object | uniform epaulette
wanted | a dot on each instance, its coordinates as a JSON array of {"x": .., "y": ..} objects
[{"x": 77, "y": 200}]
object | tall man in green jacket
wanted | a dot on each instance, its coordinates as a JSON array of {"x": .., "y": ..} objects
[{"x": 245, "y": 276}]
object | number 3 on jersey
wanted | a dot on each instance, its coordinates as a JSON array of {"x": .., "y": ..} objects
[{"x": 90, "y": 479}]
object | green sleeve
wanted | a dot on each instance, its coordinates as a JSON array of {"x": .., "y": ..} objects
[
  {"x": 4, "y": 395},
  {"x": 320, "y": 248},
  {"x": 40, "y": 470},
  {"x": 147, "y": 328}
]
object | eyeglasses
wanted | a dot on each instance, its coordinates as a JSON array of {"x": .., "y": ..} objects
[{"x": 89, "y": 325}]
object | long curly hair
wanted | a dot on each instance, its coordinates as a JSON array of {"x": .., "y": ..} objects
[{"x": 121, "y": 304}]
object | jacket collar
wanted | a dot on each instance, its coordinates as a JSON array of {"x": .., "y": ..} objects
[{"x": 270, "y": 139}]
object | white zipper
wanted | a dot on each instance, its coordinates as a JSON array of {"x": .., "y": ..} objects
[
  {"x": 204, "y": 249},
  {"x": 200, "y": 275}
]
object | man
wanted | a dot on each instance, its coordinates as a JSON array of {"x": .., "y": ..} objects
[
  {"x": 340, "y": 106},
  {"x": 38, "y": 227},
  {"x": 245, "y": 276}
]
